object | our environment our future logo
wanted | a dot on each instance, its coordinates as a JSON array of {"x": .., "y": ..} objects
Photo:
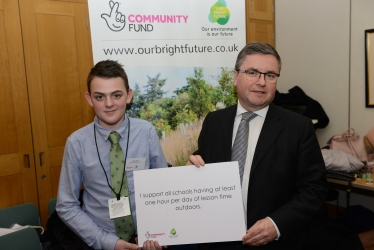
[
  {"x": 173, "y": 233},
  {"x": 219, "y": 13}
]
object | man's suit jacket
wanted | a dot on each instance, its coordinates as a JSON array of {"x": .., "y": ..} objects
[{"x": 287, "y": 180}]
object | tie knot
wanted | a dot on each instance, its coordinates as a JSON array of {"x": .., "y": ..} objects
[
  {"x": 114, "y": 138},
  {"x": 247, "y": 116}
]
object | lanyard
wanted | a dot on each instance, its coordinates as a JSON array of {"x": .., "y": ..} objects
[{"x": 124, "y": 164}]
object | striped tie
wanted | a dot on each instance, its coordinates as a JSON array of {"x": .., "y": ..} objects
[{"x": 239, "y": 150}]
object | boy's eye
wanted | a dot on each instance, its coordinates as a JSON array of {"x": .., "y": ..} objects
[
  {"x": 117, "y": 95},
  {"x": 98, "y": 97}
]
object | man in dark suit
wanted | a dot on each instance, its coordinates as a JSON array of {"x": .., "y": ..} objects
[{"x": 284, "y": 183}]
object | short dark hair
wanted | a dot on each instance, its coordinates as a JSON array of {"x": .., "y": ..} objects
[
  {"x": 107, "y": 69},
  {"x": 257, "y": 48}
]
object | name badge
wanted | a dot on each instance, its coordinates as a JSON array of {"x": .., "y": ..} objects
[
  {"x": 119, "y": 208},
  {"x": 134, "y": 164}
]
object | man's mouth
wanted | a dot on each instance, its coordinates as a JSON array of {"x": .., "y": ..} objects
[{"x": 258, "y": 91}]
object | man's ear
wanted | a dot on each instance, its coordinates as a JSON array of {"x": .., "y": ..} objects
[
  {"x": 129, "y": 96},
  {"x": 88, "y": 98},
  {"x": 235, "y": 77}
]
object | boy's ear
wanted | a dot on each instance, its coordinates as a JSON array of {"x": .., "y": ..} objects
[
  {"x": 129, "y": 96},
  {"x": 88, "y": 98}
]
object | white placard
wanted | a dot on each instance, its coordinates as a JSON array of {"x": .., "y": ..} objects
[
  {"x": 168, "y": 32},
  {"x": 186, "y": 205}
]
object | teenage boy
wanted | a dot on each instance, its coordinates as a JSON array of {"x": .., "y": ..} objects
[{"x": 90, "y": 159}]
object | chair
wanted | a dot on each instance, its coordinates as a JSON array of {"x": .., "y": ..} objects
[
  {"x": 22, "y": 239},
  {"x": 24, "y": 214},
  {"x": 52, "y": 205}
]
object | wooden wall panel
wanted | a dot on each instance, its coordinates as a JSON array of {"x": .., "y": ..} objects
[
  {"x": 10, "y": 190},
  {"x": 55, "y": 177},
  {"x": 9, "y": 164},
  {"x": 59, "y": 70},
  {"x": 8, "y": 135},
  {"x": 58, "y": 58},
  {"x": 17, "y": 168},
  {"x": 260, "y": 9},
  {"x": 261, "y": 32}
]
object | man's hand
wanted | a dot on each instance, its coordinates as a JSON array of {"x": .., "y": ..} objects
[
  {"x": 261, "y": 233},
  {"x": 124, "y": 245},
  {"x": 195, "y": 160}
]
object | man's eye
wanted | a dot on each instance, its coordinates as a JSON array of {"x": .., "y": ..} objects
[
  {"x": 251, "y": 73},
  {"x": 99, "y": 97},
  {"x": 270, "y": 76},
  {"x": 117, "y": 96}
]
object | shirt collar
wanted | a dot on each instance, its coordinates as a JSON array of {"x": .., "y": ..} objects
[
  {"x": 104, "y": 132},
  {"x": 262, "y": 112}
]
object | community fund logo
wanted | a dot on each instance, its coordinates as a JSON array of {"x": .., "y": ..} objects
[
  {"x": 153, "y": 236},
  {"x": 219, "y": 13},
  {"x": 115, "y": 20}
]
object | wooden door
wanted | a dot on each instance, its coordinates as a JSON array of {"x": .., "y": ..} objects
[
  {"x": 58, "y": 57},
  {"x": 260, "y": 21},
  {"x": 17, "y": 168},
  {"x": 260, "y": 32},
  {"x": 261, "y": 9}
]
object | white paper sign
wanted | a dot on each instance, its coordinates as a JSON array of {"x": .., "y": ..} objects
[
  {"x": 186, "y": 205},
  {"x": 168, "y": 32}
]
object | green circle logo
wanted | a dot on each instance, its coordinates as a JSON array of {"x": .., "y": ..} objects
[
  {"x": 173, "y": 232},
  {"x": 219, "y": 13}
]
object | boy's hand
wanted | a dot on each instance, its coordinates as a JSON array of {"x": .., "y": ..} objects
[
  {"x": 124, "y": 245},
  {"x": 151, "y": 245}
]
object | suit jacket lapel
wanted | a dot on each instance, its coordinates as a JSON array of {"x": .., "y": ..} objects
[
  {"x": 227, "y": 123},
  {"x": 273, "y": 124}
]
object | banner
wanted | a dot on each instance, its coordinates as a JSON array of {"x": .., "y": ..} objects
[
  {"x": 167, "y": 32},
  {"x": 179, "y": 57}
]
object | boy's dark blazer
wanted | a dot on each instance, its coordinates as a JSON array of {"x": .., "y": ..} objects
[{"x": 287, "y": 181}]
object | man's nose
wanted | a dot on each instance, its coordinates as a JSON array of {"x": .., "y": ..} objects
[{"x": 261, "y": 79}]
